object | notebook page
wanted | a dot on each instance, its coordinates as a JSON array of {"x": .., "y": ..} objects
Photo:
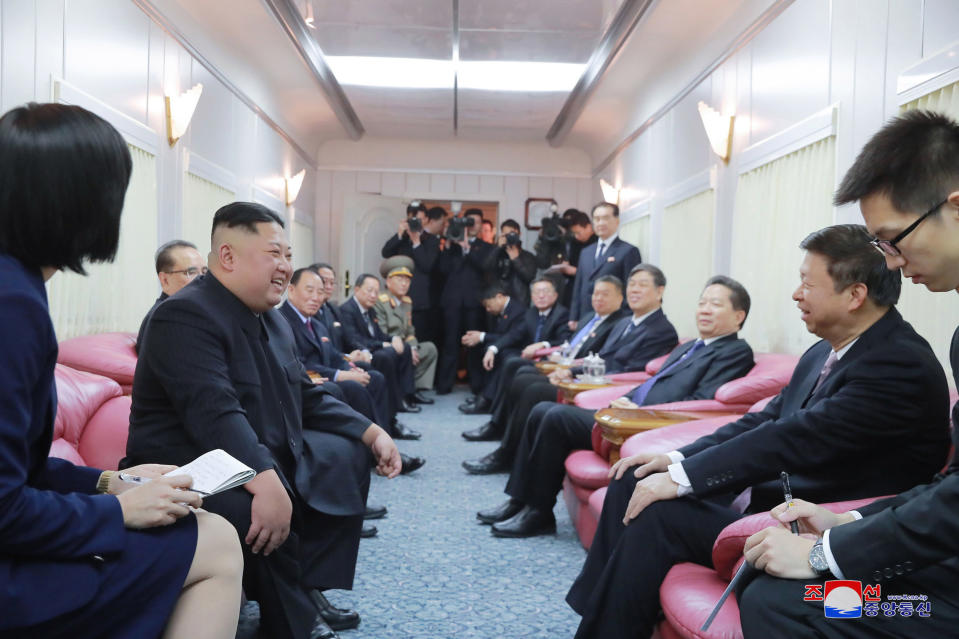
[{"x": 214, "y": 471}]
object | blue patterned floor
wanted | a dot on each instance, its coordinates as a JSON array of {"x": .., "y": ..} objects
[{"x": 435, "y": 572}]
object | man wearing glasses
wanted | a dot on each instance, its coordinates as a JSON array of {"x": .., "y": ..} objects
[
  {"x": 178, "y": 262},
  {"x": 906, "y": 180}
]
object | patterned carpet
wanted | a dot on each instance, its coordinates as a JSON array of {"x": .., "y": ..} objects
[{"x": 435, "y": 572}]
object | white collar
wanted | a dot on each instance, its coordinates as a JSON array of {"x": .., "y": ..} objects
[
  {"x": 845, "y": 349},
  {"x": 639, "y": 320},
  {"x": 609, "y": 240},
  {"x": 707, "y": 342},
  {"x": 302, "y": 317}
]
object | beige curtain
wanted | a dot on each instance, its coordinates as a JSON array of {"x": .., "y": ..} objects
[
  {"x": 201, "y": 199},
  {"x": 302, "y": 242},
  {"x": 777, "y": 205},
  {"x": 114, "y": 297},
  {"x": 637, "y": 232},
  {"x": 687, "y": 257},
  {"x": 933, "y": 315}
]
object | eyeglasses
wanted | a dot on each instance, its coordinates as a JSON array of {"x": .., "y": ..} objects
[
  {"x": 190, "y": 272},
  {"x": 888, "y": 247}
]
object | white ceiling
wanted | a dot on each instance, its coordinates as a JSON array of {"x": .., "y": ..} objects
[{"x": 671, "y": 45}]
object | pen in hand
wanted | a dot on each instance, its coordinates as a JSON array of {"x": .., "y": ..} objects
[{"x": 788, "y": 496}]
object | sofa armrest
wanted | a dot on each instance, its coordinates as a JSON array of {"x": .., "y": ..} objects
[
  {"x": 104, "y": 440},
  {"x": 600, "y": 397},
  {"x": 673, "y": 437}
]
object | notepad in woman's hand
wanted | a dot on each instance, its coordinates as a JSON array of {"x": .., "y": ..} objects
[{"x": 215, "y": 471}]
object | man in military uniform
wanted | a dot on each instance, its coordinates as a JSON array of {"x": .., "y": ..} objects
[{"x": 394, "y": 314}]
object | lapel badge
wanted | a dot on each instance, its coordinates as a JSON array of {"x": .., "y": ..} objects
[
  {"x": 324, "y": 339},
  {"x": 610, "y": 259}
]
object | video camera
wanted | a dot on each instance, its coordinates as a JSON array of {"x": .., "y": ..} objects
[
  {"x": 550, "y": 245},
  {"x": 457, "y": 228}
]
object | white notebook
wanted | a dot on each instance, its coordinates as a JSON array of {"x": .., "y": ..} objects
[{"x": 215, "y": 471}]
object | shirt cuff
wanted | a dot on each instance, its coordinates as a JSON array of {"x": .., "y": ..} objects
[
  {"x": 336, "y": 375},
  {"x": 678, "y": 474},
  {"x": 493, "y": 350},
  {"x": 675, "y": 456},
  {"x": 833, "y": 566},
  {"x": 387, "y": 344},
  {"x": 482, "y": 336}
]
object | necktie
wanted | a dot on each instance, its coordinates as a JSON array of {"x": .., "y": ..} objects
[
  {"x": 309, "y": 328},
  {"x": 629, "y": 326},
  {"x": 600, "y": 251},
  {"x": 639, "y": 395},
  {"x": 826, "y": 369},
  {"x": 540, "y": 323},
  {"x": 581, "y": 335},
  {"x": 369, "y": 324}
]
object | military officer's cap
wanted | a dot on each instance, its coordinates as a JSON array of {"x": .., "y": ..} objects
[{"x": 397, "y": 265}]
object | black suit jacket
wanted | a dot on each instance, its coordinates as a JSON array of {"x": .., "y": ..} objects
[
  {"x": 356, "y": 335},
  {"x": 465, "y": 277},
  {"x": 555, "y": 330},
  {"x": 619, "y": 259},
  {"x": 146, "y": 318},
  {"x": 503, "y": 324},
  {"x": 877, "y": 425},
  {"x": 424, "y": 259},
  {"x": 701, "y": 374},
  {"x": 653, "y": 338},
  {"x": 315, "y": 351},
  {"x": 597, "y": 337},
  {"x": 329, "y": 316},
  {"x": 915, "y": 529},
  {"x": 211, "y": 374}
]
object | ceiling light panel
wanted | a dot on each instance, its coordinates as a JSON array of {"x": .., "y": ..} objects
[
  {"x": 533, "y": 46},
  {"x": 396, "y": 73}
]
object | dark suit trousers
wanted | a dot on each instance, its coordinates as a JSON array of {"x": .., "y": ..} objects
[
  {"x": 551, "y": 433},
  {"x": 617, "y": 592},
  {"x": 769, "y": 606},
  {"x": 423, "y": 324},
  {"x": 398, "y": 373},
  {"x": 456, "y": 321},
  {"x": 527, "y": 390},
  {"x": 372, "y": 401},
  {"x": 494, "y": 378},
  {"x": 511, "y": 367}
]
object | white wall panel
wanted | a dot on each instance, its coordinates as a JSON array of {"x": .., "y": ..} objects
[
  {"x": 323, "y": 243},
  {"x": 49, "y": 54},
  {"x": 393, "y": 184},
  {"x": 211, "y": 132},
  {"x": 491, "y": 185},
  {"x": 417, "y": 184},
  {"x": 17, "y": 40},
  {"x": 466, "y": 183},
  {"x": 515, "y": 191},
  {"x": 939, "y": 25},
  {"x": 540, "y": 187},
  {"x": 368, "y": 182},
  {"x": 442, "y": 183},
  {"x": 565, "y": 192},
  {"x": 585, "y": 194}
]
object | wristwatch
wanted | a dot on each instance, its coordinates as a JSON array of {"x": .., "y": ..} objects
[
  {"x": 103, "y": 483},
  {"x": 817, "y": 559}
]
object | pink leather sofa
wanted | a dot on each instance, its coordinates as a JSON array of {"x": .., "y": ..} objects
[
  {"x": 93, "y": 419},
  {"x": 584, "y": 487},
  {"x": 108, "y": 354}
]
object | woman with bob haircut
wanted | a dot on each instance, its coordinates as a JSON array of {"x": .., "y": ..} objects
[{"x": 82, "y": 553}]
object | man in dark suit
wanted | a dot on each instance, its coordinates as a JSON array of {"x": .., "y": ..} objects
[
  {"x": 612, "y": 256},
  {"x": 390, "y": 356},
  {"x": 177, "y": 264},
  {"x": 865, "y": 413},
  {"x": 504, "y": 315},
  {"x": 528, "y": 386},
  {"x": 906, "y": 180},
  {"x": 218, "y": 369},
  {"x": 543, "y": 325},
  {"x": 510, "y": 265},
  {"x": 424, "y": 248},
  {"x": 693, "y": 371},
  {"x": 463, "y": 262}
]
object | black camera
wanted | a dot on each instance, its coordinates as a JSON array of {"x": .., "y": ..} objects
[
  {"x": 457, "y": 228},
  {"x": 513, "y": 239},
  {"x": 414, "y": 224},
  {"x": 550, "y": 245}
]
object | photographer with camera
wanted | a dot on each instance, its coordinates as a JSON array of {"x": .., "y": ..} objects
[
  {"x": 462, "y": 261},
  {"x": 416, "y": 238},
  {"x": 509, "y": 265},
  {"x": 558, "y": 246}
]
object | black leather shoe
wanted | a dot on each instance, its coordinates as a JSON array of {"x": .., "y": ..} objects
[
  {"x": 408, "y": 407},
  {"x": 374, "y": 512},
  {"x": 480, "y": 406},
  {"x": 528, "y": 522},
  {"x": 368, "y": 530},
  {"x": 495, "y": 462},
  {"x": 485, "y": 433},
  {"x": 405, "y": 432},
  {"x": 420, "y": 398},
  {"x": 501, "y": 513},
  {"x": 471, "y": 399},
  {"x": 335, "y": 618},
  {"x": 322, "y": 630},
  {"x": 410, "y": 463}
]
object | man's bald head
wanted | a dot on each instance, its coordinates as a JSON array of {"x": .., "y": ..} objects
[{"x": 250, "y": 254}]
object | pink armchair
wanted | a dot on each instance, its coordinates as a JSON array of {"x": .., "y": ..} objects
[
  {"x": 108, "y": 354},
  {"x": 93, "y": 419}
]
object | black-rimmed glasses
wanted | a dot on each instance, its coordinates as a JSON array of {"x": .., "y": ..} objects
[
  {"x": 888, "y": 247},
  {"x": 190, "y": 272}
]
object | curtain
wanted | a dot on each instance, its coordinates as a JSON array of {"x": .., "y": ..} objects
[
  {"x": 301, "y": 239},
  {"x": 687, "y": 258},
  {"x": 777, "y": 205},
  {"x": 933, "y": 315},
  {"x": 201, "y": 199},
  {"x": 115, "y": 296},
  {"x": 637, "y": 233}
]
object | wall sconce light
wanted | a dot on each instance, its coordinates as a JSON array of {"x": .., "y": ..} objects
[
  {"x": 179, "y": 112},
  {"x": 719, "y": 130},
  {"x": 293, "y": 185},
  {"x": 456, "y": 207},
  {"x": 309, "y": 19},
  {"x": 610, "y": 192}
]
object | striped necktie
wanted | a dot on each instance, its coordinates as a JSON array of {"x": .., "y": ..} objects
[{"x": 639, "y": 395}]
